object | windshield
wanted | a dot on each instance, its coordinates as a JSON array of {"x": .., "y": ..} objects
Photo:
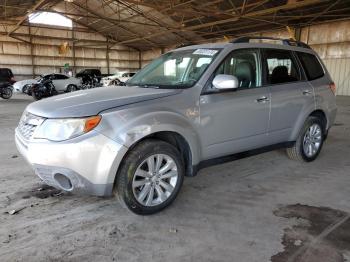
[{"x": 179, "y": 69}]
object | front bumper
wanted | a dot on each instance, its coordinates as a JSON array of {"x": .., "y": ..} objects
[{"x": 87, "y": 164}]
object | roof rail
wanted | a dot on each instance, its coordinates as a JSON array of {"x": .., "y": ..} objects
[{"x": 290, "y": 42}]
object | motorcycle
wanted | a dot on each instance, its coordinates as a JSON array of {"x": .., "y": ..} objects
[
  {"x": 89, "y": 81},
  {"x": 43, "y": 88},
  {"x": 6, "y": 90}
]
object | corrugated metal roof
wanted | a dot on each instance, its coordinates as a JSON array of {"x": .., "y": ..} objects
[{"x": 145, "y": 24}]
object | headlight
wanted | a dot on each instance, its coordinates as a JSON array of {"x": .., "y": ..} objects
[{"x": 63, "y": 129}]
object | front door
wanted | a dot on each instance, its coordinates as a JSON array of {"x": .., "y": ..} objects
[{"x": 235, "y": 121}]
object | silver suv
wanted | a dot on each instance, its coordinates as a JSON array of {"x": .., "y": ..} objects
[{"x": 189, "y": 106}]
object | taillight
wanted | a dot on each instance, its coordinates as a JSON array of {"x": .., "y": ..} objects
[{"x": 332, "y": 87}]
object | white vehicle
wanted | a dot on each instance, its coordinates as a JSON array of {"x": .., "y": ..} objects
[
  {"x": 61, "y": 82},
  {"x": 117, "y": 79},
  {"x": 126, "y": 76},
  {"x": 18, "y": 86}
]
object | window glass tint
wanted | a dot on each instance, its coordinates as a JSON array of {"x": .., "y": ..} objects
[
  {"x": 178, "y": 69},
  {"x": 60, "y": 77},
  {"x": 280, "y": 67},
  {"x": 311, "y": 65},
  {"x": 242, "y": 64},
  {"x": 51, "y": 76}
]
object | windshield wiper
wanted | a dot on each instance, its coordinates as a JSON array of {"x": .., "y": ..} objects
[{"x": 145, "y": 85}]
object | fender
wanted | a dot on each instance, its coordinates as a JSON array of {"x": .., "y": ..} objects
[
  {"x": 129, "y": 126},
  {"x": 302, "y": 118},
  {"x": 305, "y": 112}
]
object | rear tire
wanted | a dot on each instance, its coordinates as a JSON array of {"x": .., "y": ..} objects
[
  {"x": 309, "y": 142},
  {"x": 150, "y": 177},
  {"x": 71, "y": 88}
]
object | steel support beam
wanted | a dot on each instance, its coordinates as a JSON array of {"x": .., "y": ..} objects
[
  {"x": 116, "y": 24},
  {"x": 235, "y": 18},
  {"x": 24, "y": 18}
]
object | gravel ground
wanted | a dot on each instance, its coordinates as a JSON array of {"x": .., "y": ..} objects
[{"x": 245, "y": 210}]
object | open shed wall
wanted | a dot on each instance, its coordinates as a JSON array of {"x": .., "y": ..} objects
[
  {"x": 39, "y": 54},
  {"x": 332, "y": 42}
]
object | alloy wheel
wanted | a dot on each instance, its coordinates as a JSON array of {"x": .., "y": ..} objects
[
  {"x": 155, "y": 180},
  {"x": 312, "y": 140}
]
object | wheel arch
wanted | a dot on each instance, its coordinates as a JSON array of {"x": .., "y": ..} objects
[
  {"x": 300, "y": 122},
  {"x": 175, "y": 139},
  {"x": 322, "y": 116},
  {"x": 70, "y": 84}
]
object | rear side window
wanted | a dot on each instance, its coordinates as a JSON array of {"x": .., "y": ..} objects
[
  {"x": 280, "y": 67},
  {"x": 60, "y": 77},
  {"x": 311, "y": 65}
]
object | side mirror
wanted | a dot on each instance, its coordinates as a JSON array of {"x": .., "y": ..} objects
[{"x": 225, "y": 82}]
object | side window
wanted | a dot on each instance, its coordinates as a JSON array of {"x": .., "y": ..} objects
[
  {"x": 60, "y": 77},
  {"x": 243, "y": 64},
  {"x": 51, "y": 76},
  {"x": 311, "y": 65},
  {"x": 280, "y": 67}
]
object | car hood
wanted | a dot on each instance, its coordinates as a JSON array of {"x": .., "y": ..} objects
[
  {"x": 93, "y": 101},
  {"x": 24, "y": 82}
]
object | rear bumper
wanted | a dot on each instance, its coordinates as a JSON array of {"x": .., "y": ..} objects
[
  {"x": 87, "y": 164},
  {"x": 331, "y": 117}
]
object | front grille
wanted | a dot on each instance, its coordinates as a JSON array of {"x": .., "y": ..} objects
[{"x": 28, "y": 124}]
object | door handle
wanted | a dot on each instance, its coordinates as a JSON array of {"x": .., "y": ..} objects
[
  {"x": 306, "y": 92},
  {"x": 262, "y": 99}
]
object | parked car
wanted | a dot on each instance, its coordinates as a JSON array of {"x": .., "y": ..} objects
[
  {"x": 87, "y": 74},
  {"x": 6, "y": 75},
  {"x": 126, "y": 76},
  {"x": 188, "y": 108},
  {"x": 61, "y": 82},
  {"x": 112, "y": 79},
  {"x": 119, "y": 78},
  {"x": 20, "y": 86},
  {"x": 6, "y": 83}
]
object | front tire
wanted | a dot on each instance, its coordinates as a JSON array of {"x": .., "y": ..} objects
[
  {"x": 309, "y": 142},
  {"x": 7, "y": 93},
  {"x": 37, "y": 96},
  {"x": 150, "y": 177}
]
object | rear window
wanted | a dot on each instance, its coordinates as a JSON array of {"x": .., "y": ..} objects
[{"x": 311, "y": 65}]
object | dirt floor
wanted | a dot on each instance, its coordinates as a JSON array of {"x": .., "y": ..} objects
[{"x": 261, "y": 208}]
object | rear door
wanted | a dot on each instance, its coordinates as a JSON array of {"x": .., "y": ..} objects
[
  {"x": 237, "y": 120},
  {"x": 290, "y": 92}
]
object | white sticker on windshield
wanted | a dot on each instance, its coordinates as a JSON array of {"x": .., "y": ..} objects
[{"x": 209, "y": 52}]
